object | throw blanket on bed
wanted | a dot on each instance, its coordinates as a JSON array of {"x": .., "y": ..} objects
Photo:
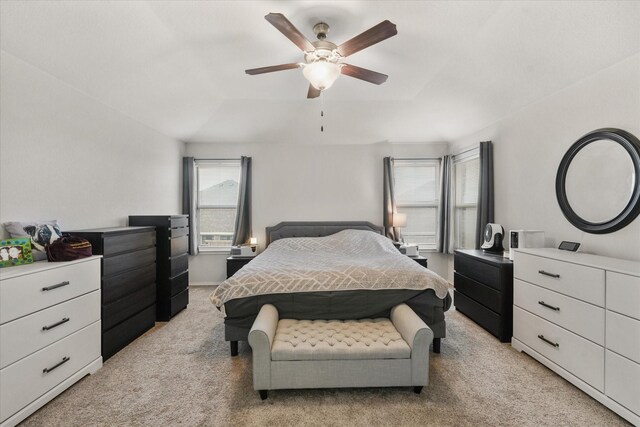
[{"x": 347, "y": 260}]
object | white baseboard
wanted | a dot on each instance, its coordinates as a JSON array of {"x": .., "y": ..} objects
[{"x": 204, "y": 283}]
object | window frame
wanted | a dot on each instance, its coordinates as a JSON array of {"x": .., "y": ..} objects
[
  {"x": 465, "y": 156},
  {"x": 435, "y": 204},
  {"x": 199, "y": 207}
]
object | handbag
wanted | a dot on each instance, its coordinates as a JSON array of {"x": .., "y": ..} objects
[{"x": 68, "y": 248}]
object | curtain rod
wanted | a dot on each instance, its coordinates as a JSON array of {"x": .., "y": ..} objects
[
  {"x": 197, "y": 158},
  {"x": 416, "y": 158},
  {"x": 467, "y": 150}
]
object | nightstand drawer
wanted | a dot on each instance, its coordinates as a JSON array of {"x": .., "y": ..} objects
[
  {"x": 584, "y": 319},
  {"x": 236, "y": 263}
]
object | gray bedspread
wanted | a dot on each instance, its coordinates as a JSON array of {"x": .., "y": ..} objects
[{"x": 350, "y": 260}]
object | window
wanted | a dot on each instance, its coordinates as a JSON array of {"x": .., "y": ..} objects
[
  {"x": 417, "y": 194},
  {"x": 466, "y": 176},
  {"x": 218, "y": 184}
]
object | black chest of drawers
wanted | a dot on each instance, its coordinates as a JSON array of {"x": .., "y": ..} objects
[
  {"x": 128, "y": 289},
  {"x": 483, "y": 290},
  {"x": 172, "y": 263}
]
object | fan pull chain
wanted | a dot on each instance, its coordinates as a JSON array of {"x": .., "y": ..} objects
[{"x": 321, "y": 111}]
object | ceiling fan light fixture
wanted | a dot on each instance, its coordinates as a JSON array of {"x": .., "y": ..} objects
[{"x": 321, "y": 74}]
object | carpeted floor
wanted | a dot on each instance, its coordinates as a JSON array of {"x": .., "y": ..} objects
[{"x": 181, "y": 373}]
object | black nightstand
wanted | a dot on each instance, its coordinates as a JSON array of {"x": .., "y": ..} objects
[
  {"x": 235, "y": 263},
  {"x": 420, "y": 260}
]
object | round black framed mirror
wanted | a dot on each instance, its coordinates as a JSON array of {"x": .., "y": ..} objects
[{"x": 598, "y": 181}]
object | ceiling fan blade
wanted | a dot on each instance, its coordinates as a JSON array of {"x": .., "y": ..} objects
[
  {"x": 364, "y": 74},
  {"x": 272, "y": 68},
  {"x": 313, "y": 92},
  {"x": 283, "y": 25},
  {"x": 373, "y": 35}
]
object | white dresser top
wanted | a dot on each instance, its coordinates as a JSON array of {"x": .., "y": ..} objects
[
  {"x": 36, "y": 267},
  {"x": 611, "y": 264}
]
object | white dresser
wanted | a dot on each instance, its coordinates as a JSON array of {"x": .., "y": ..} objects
[
  {"x": 579, "y": 315},
  {"x": 49, "y": 332}
]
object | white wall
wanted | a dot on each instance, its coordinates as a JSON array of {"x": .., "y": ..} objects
[
  {"x": 529, "y": 145},
  {"x": 310, "y": 182},
  {"x": 64, "y": 155}
]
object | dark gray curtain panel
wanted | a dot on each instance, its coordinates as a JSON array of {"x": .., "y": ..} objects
[
  {"x": 485, "y": 191},
  {"x": 190, "y": 200},
  {"x": 444, "y": 244},
  {"x": 389, "y": 202},
  {"x": 242, "y": 230}
]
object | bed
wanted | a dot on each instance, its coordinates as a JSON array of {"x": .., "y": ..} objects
[{"x": 330, "y": 270}]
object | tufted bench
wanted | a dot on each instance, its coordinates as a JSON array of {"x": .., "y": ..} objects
[{"x": 289, "y": 353}]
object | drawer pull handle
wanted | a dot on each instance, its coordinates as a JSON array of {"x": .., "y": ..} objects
[
  {"x": 62, "y": 362},
  {"x": 64, "y": 320},
  {"x": 59, "y": 285},
  {"x": 542, "y": 303},
  {"x": 555, "y": 344},
  {"x": 555, "y": 276}
]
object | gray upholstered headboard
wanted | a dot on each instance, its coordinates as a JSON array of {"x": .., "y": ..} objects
[{"x": 316, "y": 228}]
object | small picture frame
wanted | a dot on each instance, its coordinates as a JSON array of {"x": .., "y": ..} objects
[{"x": 15, "y": 251}]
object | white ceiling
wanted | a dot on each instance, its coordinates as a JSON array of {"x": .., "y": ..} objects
[{"x": 454, "y": 67}]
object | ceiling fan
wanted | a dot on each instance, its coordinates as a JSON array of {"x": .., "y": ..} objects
[{"x": 322, "y": 64}]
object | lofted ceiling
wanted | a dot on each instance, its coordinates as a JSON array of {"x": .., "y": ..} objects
[{"x": 454, "y": 67}]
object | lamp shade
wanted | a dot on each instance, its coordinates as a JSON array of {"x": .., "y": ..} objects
[
  {"x": 399, "y": 220},
  {"x": 321, "y": 74},
  {"x": 253, "y": 241}
]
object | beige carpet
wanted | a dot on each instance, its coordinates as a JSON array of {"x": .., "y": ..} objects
[{"x": 181, "y": 373}]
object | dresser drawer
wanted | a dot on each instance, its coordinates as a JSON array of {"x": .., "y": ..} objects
[
  {"x": 179, "y": 283},
  {"x": 623, "y": 294},
  {"x": 179, "y": 221},
  {"x": 623, "y": 335},
  {"x": 26, "y": 294},
  {"x": 31, "y": 333},
  {"x": 578, "y": 281},
  {"x": 478, "y": 271},
  {"x": 178, "y": 232},
  {"x": 483, "y": 294},
  {"x": 120, "y": 335},
  {"x": 25, "y": 381},
  {"x": 579, "y": 317},
  {"x": 115, "y": 244},
  {"x": 119, "y": 310},
  {"x": 577, "y": 355},
  {"x": 178, "y": 265},
  {"x": 622, "y": 381},
  {"x": 121, "y": 285},
  {"x": 128, "y": 261},
  {"x": 179, "y": 245}
]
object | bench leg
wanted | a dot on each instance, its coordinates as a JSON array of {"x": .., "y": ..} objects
[
  {"x": 417, "y": 389},
  {"x": 234, "y": 348},
  {"x": 436, "y": 345},
  {"x": 265, "y": 393}
]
